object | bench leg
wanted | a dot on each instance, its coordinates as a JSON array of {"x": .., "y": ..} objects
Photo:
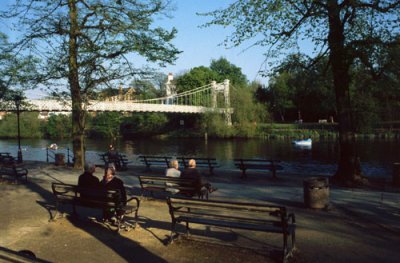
[
  {"x": 286, "y": 251},
  {"x": 173, "y": 231}
]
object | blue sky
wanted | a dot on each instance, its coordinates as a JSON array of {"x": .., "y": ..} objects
[{"x": 201, "y": 45}]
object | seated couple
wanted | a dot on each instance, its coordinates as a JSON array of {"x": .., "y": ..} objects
[
  {"x": 190, "y": 172},
  {"x": 110, "y": 182}
]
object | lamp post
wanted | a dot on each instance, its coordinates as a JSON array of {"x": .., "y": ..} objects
[{"x": 17, "y": 100}]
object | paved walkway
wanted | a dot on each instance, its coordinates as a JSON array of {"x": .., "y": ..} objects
[{"x": 359, "y": 225}]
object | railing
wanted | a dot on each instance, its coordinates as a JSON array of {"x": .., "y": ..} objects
[{"x": 51, "y": 154}]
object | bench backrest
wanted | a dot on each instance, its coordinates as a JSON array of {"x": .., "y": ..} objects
[
  {"x": 153, "y": 159},
  {"x": 256, "y": 161},
  {"x": 182, "y": 184},
  {"x": 7, "y": 160},
  {"x": 97, "y": 198},
  {"x": 205, "y": 162},
  {"x": 228, "y": 211}
]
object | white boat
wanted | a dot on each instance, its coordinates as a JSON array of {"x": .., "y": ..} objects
[{"x": 306, "y": 142}]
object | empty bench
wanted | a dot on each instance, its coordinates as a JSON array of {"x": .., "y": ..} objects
[
  {"x": 8, "y": 167},
  {"x": 154, "y": 160},
  {"x": 119, "y": 160},
  {"x": 248, "y": 216},
  {"x": 258, "y": 164},
  {"x": 67, "y": 194},
  {"x": 167, "y": 185},
  {"x": 209, "y": 163}
]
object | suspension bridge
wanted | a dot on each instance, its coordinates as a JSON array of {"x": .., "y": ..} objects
[{"x": 213, "y": 97}]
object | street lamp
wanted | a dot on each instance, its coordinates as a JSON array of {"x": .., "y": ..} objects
[{"x": 17, "y": 100}]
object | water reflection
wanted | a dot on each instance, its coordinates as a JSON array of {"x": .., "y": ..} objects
[{"x": 377, "y": 156}]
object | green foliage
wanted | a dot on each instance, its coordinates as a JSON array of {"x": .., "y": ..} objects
[
  {"x": 298, "y": 87},
  {"x": 226, "y": 70},
  {"x": 215, "y": 126},
  {"x": 246, "y": 109},
  {"x": 30, "y": 125},
  {"x": 196, "y": 77},
  {"x": 58, "y": 126},
  {"x": 145, "y": 89},
  {"x": 105, "y": 125},
  {"x": 144, "y": 124}
]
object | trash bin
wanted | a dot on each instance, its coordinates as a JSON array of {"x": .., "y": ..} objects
[
  {"x": 59, "y": 159},
  {"x": 316, "y": 192},
  {"x": 396, "y": 174}
]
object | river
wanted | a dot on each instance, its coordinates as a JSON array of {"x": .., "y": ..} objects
[{"x": 377, "y": 156}]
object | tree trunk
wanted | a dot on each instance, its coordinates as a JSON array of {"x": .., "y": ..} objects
[
  {"x": 78, "y": 114},
  {"x": 349, "y": 168}
]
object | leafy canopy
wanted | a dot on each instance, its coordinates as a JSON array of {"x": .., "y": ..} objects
[{"x": 108, "y": 34}]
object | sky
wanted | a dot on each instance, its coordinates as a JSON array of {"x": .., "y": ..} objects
[{"x": 200, "y": 45}]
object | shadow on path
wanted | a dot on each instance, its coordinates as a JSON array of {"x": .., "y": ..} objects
[{"x": 126, "y": 248}]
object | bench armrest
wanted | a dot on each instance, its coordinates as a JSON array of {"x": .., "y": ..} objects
[{"x": 133, "y": 199}]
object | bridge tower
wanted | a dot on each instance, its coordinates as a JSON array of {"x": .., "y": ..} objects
[
  {"x": 224, "y": 89},
  {"x": 170, "y": 89}
]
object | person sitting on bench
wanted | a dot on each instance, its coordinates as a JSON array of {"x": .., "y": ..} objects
[
  {"x": 113, "y": 156},
  {"x": 173, "y": 171},
  {"x": 87, "y": 179},
  {"x": 200, "y": 182},
  {"x": 110, "y": 182}
]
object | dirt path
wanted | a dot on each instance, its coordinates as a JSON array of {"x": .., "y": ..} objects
[{"x": 359, "y": 226}]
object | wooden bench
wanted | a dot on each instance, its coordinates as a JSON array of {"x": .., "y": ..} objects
[
  {"x": 9, "y": 167},
  {"x": 258, "y": 164},
  {"x": 248, "y": 216},
  {"x": 209, "y": 163},
  {"x": 150, "y": 160},
  {"x": 119, "y": 160},
  {"x": 4, "y": 154},
  {"x": 186, "y": 187},
  {"x": 67, "y": 194}
]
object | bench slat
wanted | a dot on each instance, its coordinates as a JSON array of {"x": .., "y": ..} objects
[
  {"x": 258, "y": 164},
  {"x": 239, "y": 215}
]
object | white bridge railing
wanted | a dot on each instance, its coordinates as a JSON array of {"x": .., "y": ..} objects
[{"x": 198, "y": 100}]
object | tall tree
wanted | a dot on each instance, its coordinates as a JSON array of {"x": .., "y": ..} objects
[
  {"x": 347, "y": 30},
  {"x": 90, "y": 44},
  {"x": 227, "y": 70}
]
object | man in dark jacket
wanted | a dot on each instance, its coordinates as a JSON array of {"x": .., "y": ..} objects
[{"x": 87, "y": 179}]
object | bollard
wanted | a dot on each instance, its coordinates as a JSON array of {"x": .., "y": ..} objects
[
  {"x": 316, "y": 192},
  {"x": 59, "y": 159}
]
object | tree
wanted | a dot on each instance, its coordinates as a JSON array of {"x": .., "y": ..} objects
[
  {"x": 196, "y": 77},
  {"x": 348, "y": 31},
  {"x": 227, "y": 70},
  {"x": 89, "y": 44}
]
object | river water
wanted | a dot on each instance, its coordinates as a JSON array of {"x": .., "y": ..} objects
[{"x": 377, "y": 156}]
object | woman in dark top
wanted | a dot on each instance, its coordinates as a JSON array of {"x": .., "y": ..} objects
[{"x": 110, "y": 182}]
